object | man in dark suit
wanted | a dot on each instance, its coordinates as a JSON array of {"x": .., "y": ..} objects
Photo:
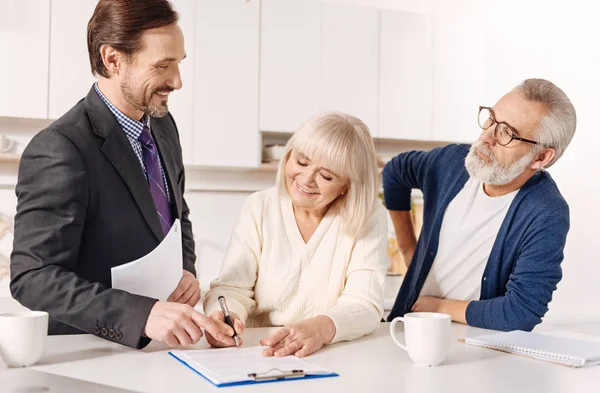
[{"x": 102, "y": 185}]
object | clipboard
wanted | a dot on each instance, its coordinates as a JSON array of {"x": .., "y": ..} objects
[{"x": 246, "y": 366}]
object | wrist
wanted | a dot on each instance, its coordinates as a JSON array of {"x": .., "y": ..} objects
[
  {"x": 442, "y": 307},
  {"x": 327, "y": 328},
  {"x": 407, "y": 254}
]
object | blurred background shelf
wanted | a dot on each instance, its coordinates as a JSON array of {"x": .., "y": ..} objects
[{"x": 9, "y": 158}]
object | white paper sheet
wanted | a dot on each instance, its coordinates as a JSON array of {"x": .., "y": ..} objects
[
  {"x": 231, "y": 365},
  {"x": 157, "y": 274}
]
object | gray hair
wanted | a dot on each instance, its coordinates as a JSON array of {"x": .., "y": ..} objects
[
  {"x": 342, "y": 143},
  {"x": 557, "y": 126}
]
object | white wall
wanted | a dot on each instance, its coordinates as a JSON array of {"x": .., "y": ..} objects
[
  {"x": 555, "y": 40},
  {"x": 562, "y": 45}
]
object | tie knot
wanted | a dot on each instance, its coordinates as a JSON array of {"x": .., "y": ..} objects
[{"x": 146, "y": 137}]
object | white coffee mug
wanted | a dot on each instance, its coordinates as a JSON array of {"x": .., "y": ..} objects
[
  {"x": 427, "y": 336},
  {"x": 22, "y": 337}
]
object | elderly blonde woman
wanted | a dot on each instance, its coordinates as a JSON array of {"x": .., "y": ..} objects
[{"x": 309, "y": 254}]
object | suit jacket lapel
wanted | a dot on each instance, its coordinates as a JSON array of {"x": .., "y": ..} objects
[
  {"x": 118, "y": 150},
  {"x": 160, "y": 128}
]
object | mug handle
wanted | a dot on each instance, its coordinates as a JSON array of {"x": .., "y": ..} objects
[{"x": 393, "y": 331}]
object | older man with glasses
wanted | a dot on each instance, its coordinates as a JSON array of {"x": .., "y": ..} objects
[{"x": 494, "y": 221}]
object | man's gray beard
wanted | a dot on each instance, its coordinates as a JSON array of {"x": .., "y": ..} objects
[
  {"x": 494, "y": 173},
  {"x": 146, "y": 107}
]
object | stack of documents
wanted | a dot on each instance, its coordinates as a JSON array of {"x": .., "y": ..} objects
[
  {"x": 241, "y": 366},
  {"x": 157, "y": 274},
  {"x": 566, "y": 351}
]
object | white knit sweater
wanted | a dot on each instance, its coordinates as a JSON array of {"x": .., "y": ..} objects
[{"x": 271, "y": 277}]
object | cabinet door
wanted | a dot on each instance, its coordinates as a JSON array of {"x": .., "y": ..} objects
[
  {"x": 181, "y": 102},
  {"x": 70, "y": 73},
  {"x": 459, "y": 74},
  {"x": 24, "y": 32},
  {"x": 290, "y": 68},
  {"x": 349, "y": 83},
  {"x": 405, "y": 110},
  {"x": 226, "y": 84}
]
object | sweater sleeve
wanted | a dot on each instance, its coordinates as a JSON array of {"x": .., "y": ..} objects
[
  {"x": 238, "y": 274},
  {"x": 535, "y": 276},
  {"x": 403, "y": 173},
  {"x": 359, "y": 309}
]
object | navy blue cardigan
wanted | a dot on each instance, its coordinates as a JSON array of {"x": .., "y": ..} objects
[{"x": 524, "y": 264}]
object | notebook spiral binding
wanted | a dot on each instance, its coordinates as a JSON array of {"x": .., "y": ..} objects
[{"x": 528, "y": 351}]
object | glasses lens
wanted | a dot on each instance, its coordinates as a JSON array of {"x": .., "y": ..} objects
[
  {"x": 485, "y": 118},
  {"x": 503, "y": 134}
]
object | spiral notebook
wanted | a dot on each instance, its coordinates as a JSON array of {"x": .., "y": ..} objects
[{"x": 566, "y": 351}]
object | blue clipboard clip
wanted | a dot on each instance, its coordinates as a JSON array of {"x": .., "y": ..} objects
[{"x": 276, "y": 374}]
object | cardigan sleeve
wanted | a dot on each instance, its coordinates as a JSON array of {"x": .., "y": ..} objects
[
  {"x": 238, "y": 274},
  {"x": 359, "y": 309},
  {"x": 403, "y": 173},
  {"x": 535, "y": 276}
]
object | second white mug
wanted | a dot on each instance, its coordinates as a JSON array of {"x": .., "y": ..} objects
[{"x": 427, "y": 336}]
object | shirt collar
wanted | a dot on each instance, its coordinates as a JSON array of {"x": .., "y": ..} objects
[{"x": 133, "y": 128}]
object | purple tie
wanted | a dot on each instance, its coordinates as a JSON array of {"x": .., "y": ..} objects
[{"x": 155, "y": 180}]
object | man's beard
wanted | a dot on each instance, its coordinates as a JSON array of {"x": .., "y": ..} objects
[
  {"x": 494, "y": 173},
  {"x": 142, "y": 103}
]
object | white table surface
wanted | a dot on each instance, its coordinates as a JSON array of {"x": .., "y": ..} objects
[{"x": 370, "y": 364}]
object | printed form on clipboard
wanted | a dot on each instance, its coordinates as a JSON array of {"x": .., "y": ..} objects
[{"x": 243, "y": 366}]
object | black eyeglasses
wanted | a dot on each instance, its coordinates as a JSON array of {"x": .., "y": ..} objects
[{"x": 503, "y": 133}]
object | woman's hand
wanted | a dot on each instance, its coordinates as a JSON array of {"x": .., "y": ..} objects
[
  {"x": 301, "y": 339},
  {"x": 219, "y": 319}
]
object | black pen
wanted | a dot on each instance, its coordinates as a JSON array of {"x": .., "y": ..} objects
[{"x": 228, "y": 319}]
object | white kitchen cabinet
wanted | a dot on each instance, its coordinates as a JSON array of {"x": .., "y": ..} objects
[
  {"x": 406, "y": 76},
  {"x": 350, "y": 65},
  {"x": 317, "y": 56},
  {"x": 226, "y": 74},
  {"x": 528, "y": 50},
  {"x": 417, "y": 6},
  {"x": 290, "y": 64},
  {"x": 70, "y": 72},
  {"x": 24, "y": 32},
  {"x": 459, "y": 72}
]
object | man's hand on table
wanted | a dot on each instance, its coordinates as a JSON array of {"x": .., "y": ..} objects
[{"x": 179, "y": 325}]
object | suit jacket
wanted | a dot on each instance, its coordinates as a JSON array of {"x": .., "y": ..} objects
[{"x": 84, "y": 206}]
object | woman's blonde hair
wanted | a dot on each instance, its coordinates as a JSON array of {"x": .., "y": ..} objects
[{"x": 343, "y": 144}]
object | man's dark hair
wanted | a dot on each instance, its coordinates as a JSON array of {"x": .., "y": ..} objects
[{"x": 121, "y": 23}]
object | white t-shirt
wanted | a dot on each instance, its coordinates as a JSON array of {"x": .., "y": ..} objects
[{"x": 469, "y": 229}]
